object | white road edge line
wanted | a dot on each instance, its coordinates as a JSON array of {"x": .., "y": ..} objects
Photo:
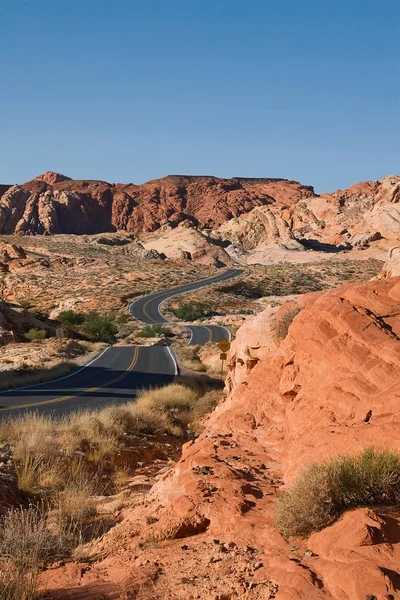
[
  {"x": 35, "y": 385},
  {"x": 172, "y": 355},
  {"x": 191, "y": 335},
  {"x": 226, "y": 329}
]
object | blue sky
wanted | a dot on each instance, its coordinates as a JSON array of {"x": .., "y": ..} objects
[{"x": 127, "y": 90}]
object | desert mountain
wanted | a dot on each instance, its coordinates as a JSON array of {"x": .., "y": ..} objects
[
  {"x": 52, "y": 203},
  {"x": 239, "y": 219},
  {"x": 349, "y": 218}
]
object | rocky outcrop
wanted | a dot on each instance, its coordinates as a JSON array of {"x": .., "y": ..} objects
[
  {"x": 187, "y": 243},
  {"x": 260, "y": 228},
  {"x": 207, "y": 529},
  {"x": 51, "y": 178},
  {"x": 252, "y": 220},
  {"x": 391, "y": 268},
  {"x": 53, "y": 203}
]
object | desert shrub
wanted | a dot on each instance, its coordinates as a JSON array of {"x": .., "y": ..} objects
[
  {"x": 204, "y": 405},
  {"x": 156, "y": 330},
  {"x": 189, "y": 358},
  {"x": 62, "y": 460},
  {"x": 25, "y": 537},
  {"x": 285, "y": 322},
  {"x": 70, "y": 317},
  {"x": 99, "y": 327},
  {"x": 35, "y": 335},
  {"x": 193, "y": 311},
  {"x": 123, "y": 318},
  {"x": 323, "y": 491},
  {"x": 26, "y": 543},
  {"x": 174, "y": 404},
  {"x": 18, "y": 584}
]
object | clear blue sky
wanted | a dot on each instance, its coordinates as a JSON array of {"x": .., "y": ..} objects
[{"x": 127, "y": 90}]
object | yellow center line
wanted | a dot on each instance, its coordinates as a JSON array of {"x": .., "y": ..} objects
[
  {"x": 163, "y": 292},
  {"x": 88, "y": 390},
  {"x": 145, "y": 312},
  {"x": 211, "y": 333}
]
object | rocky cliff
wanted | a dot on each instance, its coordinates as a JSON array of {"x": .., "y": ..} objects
[
  {"x": 52, "y": 203},
  {"x": 351, "y": 218},
  {"x": 207, "y": 529},
  {"x": 254, "y": 216}
]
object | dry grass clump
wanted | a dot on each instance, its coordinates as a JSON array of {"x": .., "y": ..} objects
[
  {"x": 282, "y": 327},
  {"x": 62, "y": 464},
  {"x": 189, "y": 358},
  {"x": 324, "y": 491},
  {"x": 53, "y": 455},
  {"x": 173, "y": 404},
  {"x": 204, "y": 406},
  {"x": 26, "y": 543}
]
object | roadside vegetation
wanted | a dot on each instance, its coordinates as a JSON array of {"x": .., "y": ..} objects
[
  {"x": 283, "y": 279},
  {"x": 62, "y": 464},
  {"x": 194, "y": 311},
  {"x": 323, "y": 491},
  {"x": 156, "y": 330},
  {"x": 189, "y": 357},
  {"x": 94, "y": 326},
  {"x": 35, "y": 335}
]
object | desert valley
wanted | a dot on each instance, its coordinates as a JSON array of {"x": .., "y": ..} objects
[{"x": 135, "y": 463}]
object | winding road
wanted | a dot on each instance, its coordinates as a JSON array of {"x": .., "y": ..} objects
[
  {"x": 120, "y": 371},
  {"x": 147, "y": 309}
]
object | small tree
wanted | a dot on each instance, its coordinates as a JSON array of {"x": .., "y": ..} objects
[
  {"x": 193, "y": 311},
  {"x": 35, "y": 335},
  {"x": 70, "y": 317},
  {"x": 100, "y": 328},
  {"x": 156, "y": 330}
]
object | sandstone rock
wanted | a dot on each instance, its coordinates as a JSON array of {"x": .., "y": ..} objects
[
  {"x": 364, "y": 239},
  {"x": 261, "y": 227},
  {"x": 51, "y": 178},
  {"x": 391, "y": 268},
  {"x": 281, "y": 214},
  {"x": 53, "y": 203}
]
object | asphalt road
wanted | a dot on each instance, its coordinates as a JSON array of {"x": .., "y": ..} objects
[
  {"x": 115, "y": 376},
  {"x": 119, "y": 372},
  {"x": 147, "y": 309}
]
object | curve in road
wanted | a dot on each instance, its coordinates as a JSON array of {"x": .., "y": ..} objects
[
  {"x": 147, "y": 309},
  {"x": 114, "y": 376}
]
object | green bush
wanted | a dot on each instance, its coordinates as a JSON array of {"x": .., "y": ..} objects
[
  {"x": 35, "y": 335},
  {"x": 124, "y": 318},
  {"x": 156, "y": 330},
  {"x": 324, "y": 491},
  {"x": 100, "y": 328},
  {"x": 193, "y": 311},
  {"x": 70, "y": 317}
]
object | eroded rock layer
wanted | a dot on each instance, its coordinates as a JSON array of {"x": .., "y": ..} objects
[{"x": 52, "y": 203}]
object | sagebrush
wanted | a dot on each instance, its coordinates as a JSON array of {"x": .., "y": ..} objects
[{"x": 323, "y": 491}]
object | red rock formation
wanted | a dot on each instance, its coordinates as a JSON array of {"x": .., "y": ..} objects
[
  {"x": 358, "y": 216},
  {"x": 52, "y": 203},
  {"x": 51, "y": 178},
  {"x": 331, "y": 387}
]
